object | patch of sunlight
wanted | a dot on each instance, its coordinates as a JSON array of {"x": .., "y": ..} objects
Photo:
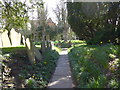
[
  {"x": 59, "y": 80},
  {"x": 64, "y": 52},
  {"x": 59, "y": 50},
  {"x": 112, "y": 55},
  {"x": 77, "y": 45},
  {"x": 39, "y": 46}
]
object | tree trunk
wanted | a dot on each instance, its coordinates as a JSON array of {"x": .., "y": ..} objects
[
  {"x": 43, "y": 41},
  {"x": 9, "y": 38},
  {"x": 65, "y": 35},
  {"x": 47, "y": 39},
  {"x": 48, "y": 42},
  {"x": 65, "y": 32},
  {"x": 37, "y": 53},
  {"x": 30, "y": 50}
]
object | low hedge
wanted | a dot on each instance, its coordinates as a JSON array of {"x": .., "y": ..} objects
[{"x": 68, "y": 44}]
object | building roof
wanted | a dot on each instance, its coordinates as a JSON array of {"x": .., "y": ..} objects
[{"x": 50, "y": 22}]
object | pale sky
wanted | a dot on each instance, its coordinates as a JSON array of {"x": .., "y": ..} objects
[{"x": 51, "y": 4}]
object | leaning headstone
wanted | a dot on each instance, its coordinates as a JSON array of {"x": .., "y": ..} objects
[
  {"x": 0, "y": 40},
  {"x": 15, "y": 37},
  {"x": 5, "y": 39},
  {"x": 52, "y": 44}
]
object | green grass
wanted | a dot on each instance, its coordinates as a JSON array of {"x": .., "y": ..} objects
[
  {"x": 76, "y": 45},
  {"x": 69, "y": 43},
  {"x": 77, "y": 41},
  {"x": 14, "y": 49},
  {"x": 57, "y": 49}
]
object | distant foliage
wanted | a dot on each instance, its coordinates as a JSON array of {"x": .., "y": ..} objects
[{"x": 68, "y": 44}]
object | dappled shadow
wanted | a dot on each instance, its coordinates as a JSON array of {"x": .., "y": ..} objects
[
  {"x": 62, "y": 75},
  {"x": 60, "y": 81}
]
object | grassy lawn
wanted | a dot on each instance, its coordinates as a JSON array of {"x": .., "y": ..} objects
[{"x": 14, "y": 49}]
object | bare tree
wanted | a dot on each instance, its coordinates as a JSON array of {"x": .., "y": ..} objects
[
  {"x": 42, "y": 20},
  {"x": 61, "y": 14}
]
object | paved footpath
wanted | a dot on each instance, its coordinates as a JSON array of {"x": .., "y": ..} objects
[{"x": 62, "y": 75}]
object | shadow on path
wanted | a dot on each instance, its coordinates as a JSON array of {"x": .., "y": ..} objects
[{"x": 62, "y": 75}]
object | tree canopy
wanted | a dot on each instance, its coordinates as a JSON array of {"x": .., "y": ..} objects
[{"x": 94, "y": 21}]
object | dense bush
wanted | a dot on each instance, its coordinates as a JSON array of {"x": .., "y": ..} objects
[
  {"x": 95, "y": 22},
  {"x": 67, "y": 44},
  {"x": 95, "y": 66},
  {"x": 37, "y": 43},
  {"x": 42, "y": 70},
  {"x": 29, "y": 75}
]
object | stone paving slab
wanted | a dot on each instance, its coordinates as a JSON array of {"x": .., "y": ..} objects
[
  {"x": 62, "y": 75},
  {"x": 62, "y": 71},
  {"x": 61, "y": 82},
  {"x": 63, "y": 64}
]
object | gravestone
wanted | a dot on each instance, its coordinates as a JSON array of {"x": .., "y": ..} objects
[
  {"x": 52, "y": 44},
  {"x": 5, "y": 39},
  {"x": 0, "y": 40},
  {"x": 15, "y": 37}
]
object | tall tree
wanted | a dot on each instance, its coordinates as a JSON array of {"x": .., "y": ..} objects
[
  {"x": 15, "y": 15},
  {"x": 42, "y": 18},
  {"x": 61, "y": 14},
  {"x": 94, "y": 21}
]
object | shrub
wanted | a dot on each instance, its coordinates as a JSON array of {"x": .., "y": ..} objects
[
  {"x": 69, "y": 43},
  {"x": 35, "y": 75},
  {"x": 92, "y": 66}
]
